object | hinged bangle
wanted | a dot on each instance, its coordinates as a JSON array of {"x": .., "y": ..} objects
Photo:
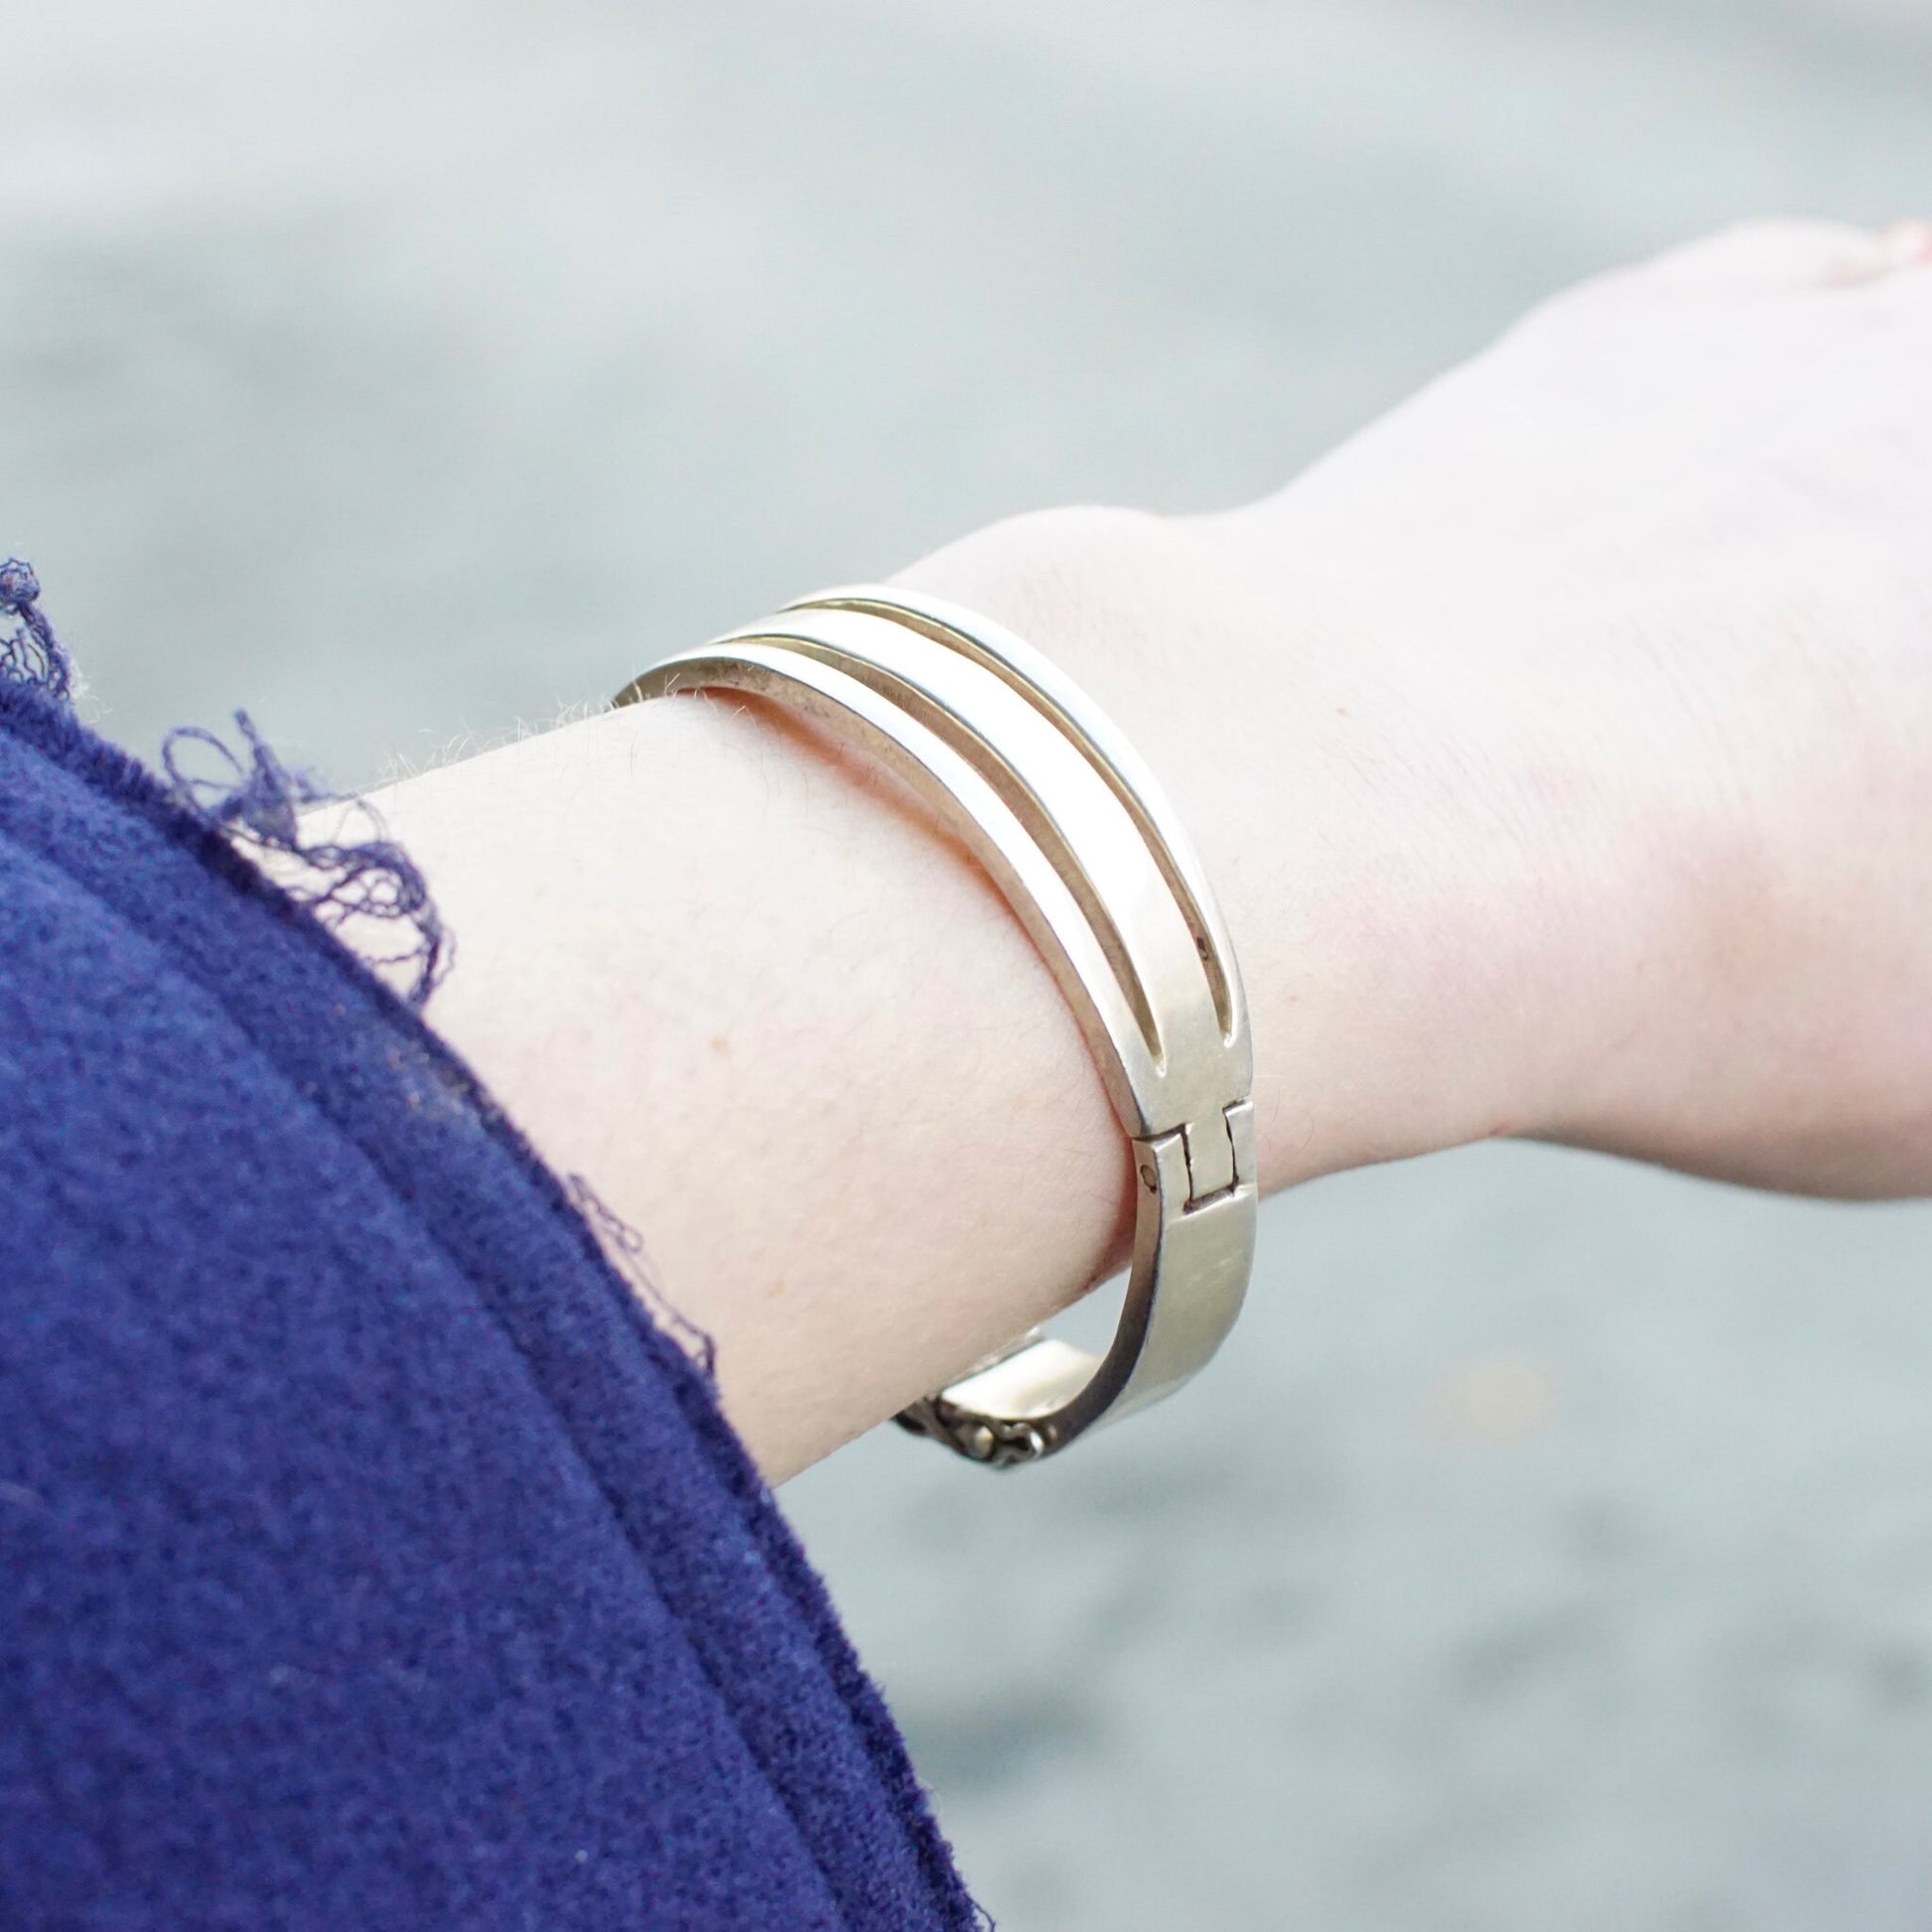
[{"x": 1056, "y": 804}]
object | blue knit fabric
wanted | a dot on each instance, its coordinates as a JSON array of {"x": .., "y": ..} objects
[{"x": 368, "y": 1560}]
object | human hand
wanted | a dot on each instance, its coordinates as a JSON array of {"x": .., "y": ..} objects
[{"x": 1562, "y": 745}]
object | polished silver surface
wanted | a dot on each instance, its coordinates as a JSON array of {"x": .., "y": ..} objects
[
  {"x": 1094, "y": 735},
  {"x": 1019, "y": 764}
]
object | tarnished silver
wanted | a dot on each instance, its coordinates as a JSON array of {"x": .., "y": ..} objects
[{"x": 1021, "y": 765}]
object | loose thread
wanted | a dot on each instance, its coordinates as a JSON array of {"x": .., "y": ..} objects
[{"x": 257, "y": 802}]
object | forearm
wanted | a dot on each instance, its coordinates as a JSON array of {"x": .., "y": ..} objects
[
  {"x": 1556, "y": 751},
  {"x": 790, "y": 1032}
]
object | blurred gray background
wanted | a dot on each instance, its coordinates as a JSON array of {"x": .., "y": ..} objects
[{"x": 1554, "y": 1547}]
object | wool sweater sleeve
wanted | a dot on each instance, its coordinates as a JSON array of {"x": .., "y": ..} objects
[{"x": 367, "y": 1557}]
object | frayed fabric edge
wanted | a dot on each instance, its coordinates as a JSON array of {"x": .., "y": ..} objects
[
  {"x": 255, "y": 802},
  {"x": 346, "y": 882},
  {"x": 624, "y": 1246},
  {"x": 31, "y": 654}
]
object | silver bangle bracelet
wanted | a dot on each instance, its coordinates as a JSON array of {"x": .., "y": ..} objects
[{"x": 1021, "y": 764}]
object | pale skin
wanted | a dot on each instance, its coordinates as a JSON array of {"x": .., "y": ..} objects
[{"x": 1559, "y": 749}]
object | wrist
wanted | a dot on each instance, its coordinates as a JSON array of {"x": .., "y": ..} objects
[{"x": 1397, "y": 903}]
